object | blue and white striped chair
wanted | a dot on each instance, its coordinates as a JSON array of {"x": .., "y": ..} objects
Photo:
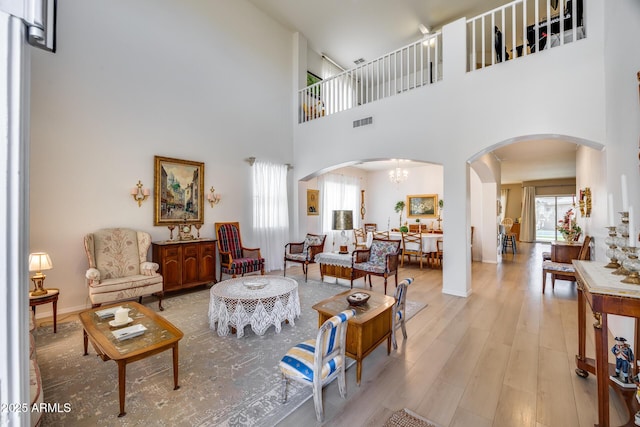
[
  {"x": 316, "y": 362},
  {"x": 399, "y": 310}
]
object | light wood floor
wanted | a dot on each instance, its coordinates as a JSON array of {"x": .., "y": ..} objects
[{"x": 502, "y": 357}]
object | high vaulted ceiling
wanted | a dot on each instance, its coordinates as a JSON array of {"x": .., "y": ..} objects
[{"x": 346, "y": 30}]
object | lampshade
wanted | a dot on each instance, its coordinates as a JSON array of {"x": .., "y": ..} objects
[
  {"x": 39, "y": 261},
  {"x": 343, "y": 220}
]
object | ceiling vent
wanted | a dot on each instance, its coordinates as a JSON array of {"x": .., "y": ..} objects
[{"x": 359, "y": 61}]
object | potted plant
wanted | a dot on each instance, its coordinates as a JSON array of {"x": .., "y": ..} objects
[
  {"x": 399, "y": 208},
  {"x": 441, "y": 204}
]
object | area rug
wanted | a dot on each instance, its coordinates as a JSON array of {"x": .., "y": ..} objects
[
  {"x": 407, "y": 418},
  {"x": 224, "y": 381}
]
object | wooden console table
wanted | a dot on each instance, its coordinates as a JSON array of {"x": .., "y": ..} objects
[{"x": 606, "y": 295}]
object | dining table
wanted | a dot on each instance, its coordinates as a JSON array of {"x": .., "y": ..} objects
[{"x": 429, "y": 240}]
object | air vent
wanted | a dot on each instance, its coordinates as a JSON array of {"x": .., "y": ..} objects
[
  {"x": 362, "y": 122},
  {"x": 359, "y": 61}
]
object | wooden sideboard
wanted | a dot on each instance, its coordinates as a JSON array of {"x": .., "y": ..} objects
[{"x": 187, "y": 263}]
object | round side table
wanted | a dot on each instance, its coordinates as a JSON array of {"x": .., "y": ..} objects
[{"x": 51, "y": 296}]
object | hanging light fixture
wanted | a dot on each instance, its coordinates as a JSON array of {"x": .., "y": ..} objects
[{"x": 398, "y": 174}]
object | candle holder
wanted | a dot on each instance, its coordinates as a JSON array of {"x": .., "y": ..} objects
[
  {"x": 611, "y": 252},
  {"x": 632, "y": 264},
  {"x": 622, "y": 243}
]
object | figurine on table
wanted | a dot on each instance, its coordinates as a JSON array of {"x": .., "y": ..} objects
[{"x": 624, "y": 358}]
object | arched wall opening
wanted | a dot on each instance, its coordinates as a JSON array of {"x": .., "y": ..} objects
[{"x": 485, "y": 190}]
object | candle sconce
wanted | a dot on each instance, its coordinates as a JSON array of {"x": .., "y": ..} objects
[
  {"x": 585, "y": 202},
  {"x": 213, "y": 198},
  {"x": 139, "y": 193}
]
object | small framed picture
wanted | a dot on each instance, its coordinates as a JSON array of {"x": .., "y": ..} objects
[{"x": 313, "y": 202}]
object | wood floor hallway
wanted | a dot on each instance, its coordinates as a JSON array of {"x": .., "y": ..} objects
[{"x": 502, "y": 357}]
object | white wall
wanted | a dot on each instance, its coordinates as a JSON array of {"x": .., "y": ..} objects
[
  {"x": 621, "y": 64},
  {"x": 130, "y": 80},
  {"x": 451, "y": 122},
  {"x": 384, "y": 195}
]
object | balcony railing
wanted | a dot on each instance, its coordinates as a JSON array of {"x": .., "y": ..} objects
[
  {"x": 499, "y": 35},
  {"x": 407, "y": 68},
  {"x": 492, "y": 37}
]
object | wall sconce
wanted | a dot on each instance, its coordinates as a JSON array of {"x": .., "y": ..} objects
[
  {"x": 140, "y": 194},
  {"x": 213, "y": 198},
  {"x": 585, "y": 202},
  {"x": 39, "y": 261}
]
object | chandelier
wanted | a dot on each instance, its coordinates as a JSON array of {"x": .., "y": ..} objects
[{"x": 398, "y": 174}]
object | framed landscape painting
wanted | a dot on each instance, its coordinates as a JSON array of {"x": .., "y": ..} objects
[
  {"x": 422, "y": 206},
  {"x": 179, "y": 191}
]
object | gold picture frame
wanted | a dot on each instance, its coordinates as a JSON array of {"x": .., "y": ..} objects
[
  {"x": 313, "y": 202},
  {"x": 422, "y": 206},
  {"x": 179, "y": 191}
]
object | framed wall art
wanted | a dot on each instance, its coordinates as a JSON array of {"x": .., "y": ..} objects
[
  {"x": 422, "y": 206},
  {"x": 313, "y": 202},
  {"x": 179, "y": 191}
]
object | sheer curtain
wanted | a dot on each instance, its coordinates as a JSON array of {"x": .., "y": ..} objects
[
  {"x": 504, "y": 199},
  {"x": 338, "y": 192},
  {"x": 270, "y": 211},
  {"x": 528, "y": 226}
]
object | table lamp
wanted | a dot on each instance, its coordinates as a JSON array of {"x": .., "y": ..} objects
[
  {"x": 343, "y": 220},
  {"x": 39, "y": 261}
]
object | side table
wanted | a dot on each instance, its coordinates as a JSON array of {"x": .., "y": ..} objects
[{"x": 51, "y": 296}]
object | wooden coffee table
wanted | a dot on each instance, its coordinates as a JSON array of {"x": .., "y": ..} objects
[
  {"x": 367, "y": 329},
  {"x": 159, "y": 336}
]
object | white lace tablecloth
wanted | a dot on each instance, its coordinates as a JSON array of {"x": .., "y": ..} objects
[
  {"x": 334, "y": 258},
  {"x": 234, "y": 304}
]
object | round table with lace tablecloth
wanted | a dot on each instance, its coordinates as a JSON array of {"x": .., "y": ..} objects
[{"x": 259, "y": 301}]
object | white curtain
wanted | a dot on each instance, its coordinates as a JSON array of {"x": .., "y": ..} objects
[
  {"x": 504, "y": 199},
  {"x": 270, "y": 211},
  {"x": 528, "y": 226},
  {"x": 338, "y": 192}
]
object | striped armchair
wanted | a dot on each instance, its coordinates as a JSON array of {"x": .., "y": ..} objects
[
  {"x": 234, "y": 258},
  {"x": 316, "y": 362},
  {"x": 381, "y": 259}
]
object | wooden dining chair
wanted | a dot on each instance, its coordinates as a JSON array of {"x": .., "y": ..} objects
[
  {"x": 564, "y": 271},
  {"x": 384, "y": 235},
  {"x": 360, "y": 238},
  {"x": 370, "y": 226},
  {"x": 412, "y": 245},
  {"x": 438, "y": 256}
]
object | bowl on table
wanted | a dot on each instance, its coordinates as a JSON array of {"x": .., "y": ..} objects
[{"x": 358, "y": 298}]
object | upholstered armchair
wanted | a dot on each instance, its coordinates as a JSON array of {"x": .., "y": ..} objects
[
  {"x": 304, "y": 252},
  {"x": 381, "y": 259},
  {"x": 118, "y": 266},
  {"x": 234, "y": 258}
]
